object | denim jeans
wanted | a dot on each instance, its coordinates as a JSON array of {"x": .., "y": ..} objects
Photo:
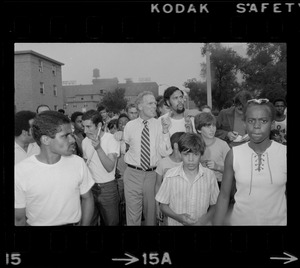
[{"x": 106, "y": 197}]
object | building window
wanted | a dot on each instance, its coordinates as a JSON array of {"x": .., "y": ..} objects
[
  {"x": 54, "y": 70},
  {"x": 41, "y": 69},
  {"x": 55, "y": 107},
  {"x": 55, "y": 90},
  {"x": 42, "y": 88},
  {"x": 92, "y": 97}
]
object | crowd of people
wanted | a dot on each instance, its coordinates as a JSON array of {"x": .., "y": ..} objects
[{"x": 153, "y": 164}]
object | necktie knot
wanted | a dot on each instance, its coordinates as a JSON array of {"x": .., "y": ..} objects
[{"x": 145, "y": 122}]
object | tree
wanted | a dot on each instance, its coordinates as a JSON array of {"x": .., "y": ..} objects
[
  {"x": 225, "y": 63},
  {"x": 265, "y": 69},
  {"x": 197, "y": 91},
  {"x": 114, "y": 101}
]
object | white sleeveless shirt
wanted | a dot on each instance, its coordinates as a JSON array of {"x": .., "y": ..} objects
[{"x": 260, "y": 198}]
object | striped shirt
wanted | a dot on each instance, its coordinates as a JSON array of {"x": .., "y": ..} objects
[{"x": 183, "y": 196}]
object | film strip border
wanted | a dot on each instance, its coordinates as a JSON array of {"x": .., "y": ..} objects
[
  {"x": 134, "y": 21},
  {"x": 151, "y": 247}
]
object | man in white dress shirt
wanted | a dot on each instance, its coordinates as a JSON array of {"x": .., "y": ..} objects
[
  {"x": 139, "y": 181},
  {"x": 25, "y": 145}
]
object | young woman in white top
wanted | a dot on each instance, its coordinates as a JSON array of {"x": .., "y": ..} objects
[{"x": 260, "y": 170}]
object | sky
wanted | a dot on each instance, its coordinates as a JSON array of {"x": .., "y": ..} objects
[{"x": 168, "y": 64}]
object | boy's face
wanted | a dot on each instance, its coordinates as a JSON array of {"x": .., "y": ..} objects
[
  {"x": 132, "y": 113},
  {"x": 279, "y": 107},
  {"x": 78, "y": 123},
  {"x": 209, "y": 131},
  {"x": 90, "y": 129},
  {"x": 258, "y": 123},
  {"x": 190, "y": 160}
]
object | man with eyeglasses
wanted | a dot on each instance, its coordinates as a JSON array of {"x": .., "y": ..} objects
[
  {"x": 230, "y": 125},
  {"x": 280, "y": 119}
]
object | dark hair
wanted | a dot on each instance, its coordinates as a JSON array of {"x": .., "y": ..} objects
[
  {"x": 48, "y": 123},
  {"x": 268, "y": 104},
  {"x": 205, "y": 106},
  {"x": 191, "y": 142},
  {"x": 168, "y": 93},
  {"x": 175, "y": 138},
  {"x": 242, "y": 97},
  {"x": 112, "y": 123},
  {"x": 22, "y": 121},
  {"x": 61, "y": 111},
  {"x": 120, "y": 116},
  {"x": 130, "y": 105},
  {"x": 75, "y": 115},
  {"x": 279, "y": 99},
  {"x": 101, "y": 108},
  {"x": 42, "y": 105},
  {"x": 204, "y": 120},
  {"x": 94, "y": 116}
]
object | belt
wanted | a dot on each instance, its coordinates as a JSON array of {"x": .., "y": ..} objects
[{"x": 138, "y": 168}]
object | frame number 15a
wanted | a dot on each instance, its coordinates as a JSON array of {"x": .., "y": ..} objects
[{"x": 154, "y": 258}]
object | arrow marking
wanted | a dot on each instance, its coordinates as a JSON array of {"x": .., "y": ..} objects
[
  {"x": 289, "y": 259},
  {"x": 131, "y": 259}
]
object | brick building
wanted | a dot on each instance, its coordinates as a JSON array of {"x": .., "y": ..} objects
[{"x": 38, "y": 80}]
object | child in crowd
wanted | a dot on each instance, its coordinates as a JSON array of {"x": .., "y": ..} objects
[
  {"x": 216, "y": 149},
  {"x": 260, "y": 170},
  {"x": 164, "y": 164},
  {"x": 112, "y": 126},
  {"x": 189, "y": 192}
]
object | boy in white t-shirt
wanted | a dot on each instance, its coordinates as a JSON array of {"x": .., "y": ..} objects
[
  {"x": 53, "y": 187},
  {"x": 101, "y": 151}
]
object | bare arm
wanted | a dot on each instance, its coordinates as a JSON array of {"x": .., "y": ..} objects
[
  {"x": 108, "y": 161},
  {"x": 157, "y": 186},
  {"x": 224, "y": 196},
  {"x": 207, "y": 217},
  {"x": 20, "y": 216},
  {"x": 87, "y": 208}
]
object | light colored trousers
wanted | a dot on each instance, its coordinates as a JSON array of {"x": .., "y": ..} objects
[{"x": 139, "y": 189}]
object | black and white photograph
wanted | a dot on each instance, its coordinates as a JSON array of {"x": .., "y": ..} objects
[{"x": 156, "y": 137}]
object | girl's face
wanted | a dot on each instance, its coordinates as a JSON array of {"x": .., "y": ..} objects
[{"x": 258, "y": 123}]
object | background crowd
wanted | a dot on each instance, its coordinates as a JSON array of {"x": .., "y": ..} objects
[{"x": 153, "y": 164}]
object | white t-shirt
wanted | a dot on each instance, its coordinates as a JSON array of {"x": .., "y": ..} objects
[
  {"x": 178, "y": 125},
  {"x": 217, "y": 152},
  {"x": 20, "y": 153},
  {"x": 51, "y": 193},
  {"x": 110, "y": 146}
]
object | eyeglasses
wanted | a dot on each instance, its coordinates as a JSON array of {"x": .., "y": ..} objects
[{"x": 259, "y": 101}]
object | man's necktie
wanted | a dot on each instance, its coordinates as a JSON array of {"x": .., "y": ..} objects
[{"x": 145, "y": 147}]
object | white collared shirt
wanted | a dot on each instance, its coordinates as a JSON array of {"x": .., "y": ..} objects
[
  {"x": 21, "y": 154},
  {"x": 160, "y": 145},
  {"x": 184, "y": 196}
]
